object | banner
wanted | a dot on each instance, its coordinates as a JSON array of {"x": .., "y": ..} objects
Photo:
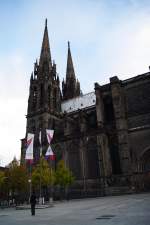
[
  {"x": 49, "y": 134},
  {"x": 49, "y": 154},
  {"x": 29, "y": 150}
]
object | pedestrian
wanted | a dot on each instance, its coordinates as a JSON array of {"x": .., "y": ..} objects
[{"x": 33, "y": 203}]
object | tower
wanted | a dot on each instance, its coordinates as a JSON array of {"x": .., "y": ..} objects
[
  {"x": 44, "y": 102},
  {"x": 70, "y": 87},
  {"x": 44, "y": 96}
]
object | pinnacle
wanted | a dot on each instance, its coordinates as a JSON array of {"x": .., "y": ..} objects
[
  {"x": 70, "y": 68},
  {"x": 46, "y": 22},
  {"x": 45, "y": 50}
]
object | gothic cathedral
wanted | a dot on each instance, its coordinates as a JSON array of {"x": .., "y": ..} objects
[{"x": 103, "y": 136}]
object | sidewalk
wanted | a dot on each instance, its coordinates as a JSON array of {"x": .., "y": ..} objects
[
  {"x": 113, "y": 210},
  {"x": 38, "y": 206}
]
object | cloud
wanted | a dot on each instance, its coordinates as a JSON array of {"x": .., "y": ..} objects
[
  {"x": 12, "y": 127},
  {"x": 13, "y": 99}
]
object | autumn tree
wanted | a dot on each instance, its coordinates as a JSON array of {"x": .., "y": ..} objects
[
  {"x": 17, "y": 179},
  {"x": 2, "y": 182},
  {"x": 2, "y": 178},
  {"x": 43, "y": 175},
  {"x": 63, "y": 176}
]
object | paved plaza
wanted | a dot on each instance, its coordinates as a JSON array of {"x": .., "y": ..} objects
[{"x": 113, "y": 210}]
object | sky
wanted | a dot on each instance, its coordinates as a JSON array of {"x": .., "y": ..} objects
[{"x": 108, "y": 38}]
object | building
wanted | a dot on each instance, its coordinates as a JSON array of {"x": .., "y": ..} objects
[
  {"x": 103, "y": 136},
  {"x": 3, "y": 169}
]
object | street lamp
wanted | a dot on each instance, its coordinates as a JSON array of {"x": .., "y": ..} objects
[{"x": 30, "y": 187}]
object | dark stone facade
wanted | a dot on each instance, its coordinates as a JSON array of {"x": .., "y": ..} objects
[{"x": 104, "y": 140}]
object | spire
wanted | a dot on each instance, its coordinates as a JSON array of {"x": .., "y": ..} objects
[
  {"x": 70, "y": 69},
  {"x": 70, "y": 87},
  {"x": 45, "y": 50},
  {"x": 46, "y": 22}
]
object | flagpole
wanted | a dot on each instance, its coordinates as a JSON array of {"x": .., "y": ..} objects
[
  {"x": 49, "y": 153},
  {"x": 30, "y": 182},
  {"x": 51, "y": 197},
  {"x": 50, "y": 156},
  {"x": 29, "y": 157},
  {"x": 40, "y": 198}
]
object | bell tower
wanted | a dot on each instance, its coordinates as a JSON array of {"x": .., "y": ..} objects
[
  {"x": 44, "y": 94},
  {"x": 44, "y": 102}
]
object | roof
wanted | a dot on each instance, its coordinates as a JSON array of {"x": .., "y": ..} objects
[
  {"x": 2, "y": 168},
  {"x": 81, "y": 102},
  {"x": 137, "y": 78}
]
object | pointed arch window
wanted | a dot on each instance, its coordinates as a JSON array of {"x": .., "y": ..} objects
[
  {"x": 41, "y": 94},
  {"x": 55, "y": 98},
  {"x": 34, "y": 103},
  {"x": 92, "y": 159},
  {"x": 45, "y": 69},
  {"x": 33, "y": 127},
  {"x": 40, "y": 123},
  {"x": 49, "y": 95}
]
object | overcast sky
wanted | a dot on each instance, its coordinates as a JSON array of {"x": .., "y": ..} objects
[{"x": 108, "y": 37}]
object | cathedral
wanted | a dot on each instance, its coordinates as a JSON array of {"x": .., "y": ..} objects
[{"x": 102, "y": 136}]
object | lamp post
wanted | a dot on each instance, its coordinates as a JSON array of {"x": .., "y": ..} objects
[
  {"x": 30, "y": 180},
  {"x": 40, "y": 141},
  {"x": 30, "y": 187},
  {"x": 40, "y": 198}
]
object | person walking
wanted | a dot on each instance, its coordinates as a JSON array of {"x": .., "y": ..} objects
[{"x": 33, "y": 203}]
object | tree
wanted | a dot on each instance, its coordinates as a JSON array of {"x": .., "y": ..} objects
[
  {"x": 17, "y": 179},
  {"x": 2, "y": 178},
  {"x": 4, "y": 186},
  {"x": 63, "y": 176},
  {"x": 2, "y": 182},
  {"x": 44, "y": 172},
  {"x": 43, "y": 175}
]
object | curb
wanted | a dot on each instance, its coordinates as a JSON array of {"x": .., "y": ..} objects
[{"x": 22, "y": 207}]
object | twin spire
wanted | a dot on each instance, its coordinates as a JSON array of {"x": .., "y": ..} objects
[
  {"x": 45, "y": 50},
  {"x": 70, "y": 68},
  {"x": 46, "y": 54},
  {"x": 71, "y": 86},
  {"x": 45, "y": 59}
]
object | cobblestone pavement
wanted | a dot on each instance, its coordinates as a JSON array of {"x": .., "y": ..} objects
[{"x": 114, "y": 210}]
